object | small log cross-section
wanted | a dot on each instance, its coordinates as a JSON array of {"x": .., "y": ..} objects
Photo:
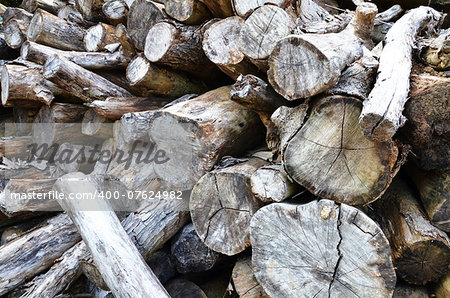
[
  {"x": 244, "y": 280},
  {"x": 381, "y": 116},
  {"x": 304, "y": 65},
  {"x": 330, "y": 156},
  {"x": 320, "y": 249},
  {"x": 222, "y": 205},
  {"x": 99, "y": 37},
  {"x": 116, "y": 11},
  {"x": 190, "y": 12}
]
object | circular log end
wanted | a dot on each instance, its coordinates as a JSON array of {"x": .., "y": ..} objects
[
  {"x": 137, "y": 70},
  {"x": 51, "y": 66},
  {"x": 298, "y": 69},
  {"x": 179, "y": 10},
  {"x": 268, "y": 185},
  {"x": 30, "y": 5},
  {"x": 35, "y": 27},
  {"x": 93, "y": 38},
  {"x": 24, "y": 50},
  {"x": 13, "y": 35},
  {"x": 159, "y": 40}
]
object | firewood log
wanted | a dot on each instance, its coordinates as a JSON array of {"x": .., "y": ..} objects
[
  {"x": 25, "y": 84},
  {"x": 71, "y": 14},
  {"x": 91, "y": 9},
  {"x": 50, "y": 30},
  {"x": 327, "y": 56},
  {"x": 199, "y": 137},
  {"x": 115, "y": 107},
  {"x": 220, "y": 8},
  {"x": 179, "y": 288},
  {"x": 116, "y": 11},
  {"x": 381, "y": 118},
  {"x": 122, "y": 267},
  {"x": 142, "y": 16},
  {"x": 99, "y": 37},
  {"x": 13, "y": 146},
  {"x": 23, "y": 117},
  {"x": 16, "y": 23},
  {"x": 403, "y": 290},
  {"x": 320, "y": 249},
  {"x": 191, "y": 12},
  {"x": 16, "y": 231},
  {"x": 428, "y": 113},
  {"x": 433, "y": 188},
  {"x": 179, "y": 47},
  {"x": 310, "y": 11},
  {"x": 420, "y": 251},
  {"x": 83, "y": 83},
  {"x": 6, "y": 53},
  {"x": 190, "y": 253},
  {"x": 244, "y": 8},
  {"x": 221, "y": 45},
  {"x": 436, "y": 51},
  {"x": 271, "y": 184},
  {"x": 67, "y": 159},
  {"x": 94, "y": 61},
  {"x": 40, "y": 248},
  {"x": 96, "y": 125},
  {"x": 125, "y": 40},
  {"x": 162, "y": 265},
  {"x": 443, "y": 287},
  {"x": 222, "y": 205},
  {"x": 244, "y": 279},
  {"x": 51, "y": 6},
  {"x": 60, "y": 276},
  {"x": 152, "y": 79}
]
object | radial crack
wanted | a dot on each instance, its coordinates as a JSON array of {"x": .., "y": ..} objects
[{"x": 338, "y": 248}]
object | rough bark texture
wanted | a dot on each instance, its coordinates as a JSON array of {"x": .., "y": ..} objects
[
  {"x": 190, "y": 12},
  {"x": 244, "y": 280},
  {"x": 436, "y": 51},
  {"x": 91, "y": 9},
  {"x": 381, "y": 116},
  {"x": 99, "y": 37},
  {"x": 244, "y": 8},
  {"x": 51, "y": 6},
  {"x": 222, "y": 205},
  {"x": 420, "y": 251},
  {"x": 15, "y": 26},
  {"x": 347, "y": 255},
  {"x": 220, "y": 8}
]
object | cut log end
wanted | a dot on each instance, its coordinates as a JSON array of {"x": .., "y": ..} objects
[
  {"x": 156, "y": 45},
  {"x": 137, "y": 70},
  {"x": 35, "y": 27},
  {"x": 93, "y": 38},
  {"x": 377, "y": 128},
  {"x": 51, "y": 66}
]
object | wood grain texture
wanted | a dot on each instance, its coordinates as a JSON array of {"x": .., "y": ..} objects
[
  {"x": 244, "y": 280},
  {"x": 244, "y": 8},
  {"x": 100, "y": 37},
  {"x": 191, "y": 12},
  {"x": 220, "y": 8},
  {"x": 116, "y": 12}
]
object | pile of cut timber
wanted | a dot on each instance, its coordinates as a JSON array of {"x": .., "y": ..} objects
[{"x": 307, "y": 146}]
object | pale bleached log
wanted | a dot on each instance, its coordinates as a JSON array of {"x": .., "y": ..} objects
[
  {"x": 94, "y": 61},
  {"x": 36, "y": 251},
  {"x": 122, "y": 267},
  {"x": 70, "y": 13},
  {"x": 244, "y": 8},
  {"x": 244, "y": 280},
  {"x": 314, "y": 62},
  {"x": 320, "y": 249},
  {"x": 51, "y": 6},
  {"x": 221, "y": 45},
  {"x": 83, "y": 83},
  {"x": 191, "y": 12},
  {"x": 142, "y": 16},
  {"x": 222, "y": 205},
  {"x": 2, "y": 8},
  {"x": 220, "y": 8},
  {"x": 116, "y": 11},
  {"x": 99, "y": 37},
  {"x": 91, "y": 9},
  {"x": 309, "y": 11},
  {"x": 381, "y": 116},
  {"x": 50, "y": 30},
  {"x": 151, "y": 79}
]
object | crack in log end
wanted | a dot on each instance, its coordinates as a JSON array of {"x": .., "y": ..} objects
[{"x": 338, "y": 248}]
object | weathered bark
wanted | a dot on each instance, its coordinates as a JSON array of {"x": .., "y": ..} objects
[
  {"x": 443, "y": 288},
  {"x": 381, "y": 116},
  {"x": 91, "y": 9},
  {"x": 309, "y": 11},
  {"x": 125, "y": 40},
  {"x": 222, "y": 205},
  {"x": 50, "y": 30},
  {"x": 22, "y": 118},
  {"x": 24, "y": 84},
  {"x": 221, "y": 45},
  {"x": 220, "y": 8},
  {"x": 51, "y": 6},
  {"x": 13, "y": 146},
  {"x": 16, "y": 23},
  {"x": 61, "y": 275},
  {"x": 191, "y": 12},
  {"x": 179, "y": 47},
  {"x": 244, "y": 280},
  {"x": 272, "y": 184},
  {"x": 420, "y": 251},
  {"x": 6, "y": 53},
  {"x": 94, "y": 61},
  {"x": 34, "y": 252},
  {"x": 81, "y": 82},
  {"x": 244, "y": 8},
  {"x": 96, "y": 125},
  {"x": 116, "y": 11},
  {"x": 433, "y": 187},
  {"x": 190, "y": 135},
  {"x": 428, "y": 112},
  {"x": 142, "y": 16},
  {"x": 403, "y": 290},
  {"x": 315, "y": 62},
  {"x": 436, "y": 51},
  {"x": 179, "y": 288},
  {"x": 115, "y": 107},
  {"x": 320, "y": 249},
  {"x": 71, "y": 14},
  {"x": 122, "y": 267},
  {"x": 100, "y": 37},
  {"x": 153, "y": 79},
  {"x": 190, "y": 253}
]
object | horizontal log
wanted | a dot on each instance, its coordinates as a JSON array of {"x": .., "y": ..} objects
[
  {"x": 220, "y": 8},
  {"x": 16, "y": 25},
  {"x": 91, "y": 9},
  {"x": 100, "y": 37},
  {"x": 191, "y": 12},
  {"x": 244, "y": 8},
  {"x": 51, "y": 6}
]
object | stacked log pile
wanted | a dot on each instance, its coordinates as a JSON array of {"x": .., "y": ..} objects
[{"x": 302, "y": 148}]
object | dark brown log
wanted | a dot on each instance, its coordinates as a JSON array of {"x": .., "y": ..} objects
[
  {"x": 436, "y": 51},
  {"x": 197, "y": 139},
  {"x": 125, "y": 40},
  {"x": 34, "y": 252},
  {"x": 50, "y": 30},
  {"x": 221, "y": 45},
  {"x": 94, "y": 61},
  {"x": 222, "y": 205},
  {"x": 191, "y": 12},
  {"x": 100, "y": 37},
  {"x": 81, "y": 82},
  {"x": 91, "y": 9},
  {"x": 443, "y": 288},
  {"x": 115, "y": 107},
  {"x": 180, "y": 288},
  {"x": 382, "y": 112},
  {"x": 116, "y": 11},
  {"x": 244, "y": 280},
  {"x": 320, "y": 249},
  {"x": 152, "y": 79},
  {"x": 220, "y": 8},
  {"x": 404, "y": 290},
  {"x": 420, "y": 251},
  {"x": 142, "y": 16},
  {"x": 190, "y": 253},
  {"x": 326, "y": 56},
  {"x": 13, "y": 146},
  {"x": 428, "y": 112}
]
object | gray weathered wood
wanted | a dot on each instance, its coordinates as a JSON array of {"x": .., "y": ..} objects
[
  {"x": 51, "y": 6},
  {"x": 244, "y": 8},
  {"x": 436, "y": 51},
  {"x": 100, "y": 37},
  {"x": 116, "y": 11},
  {"x": 244, "y": 280},
  {"x": 190, "y": 12}
]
